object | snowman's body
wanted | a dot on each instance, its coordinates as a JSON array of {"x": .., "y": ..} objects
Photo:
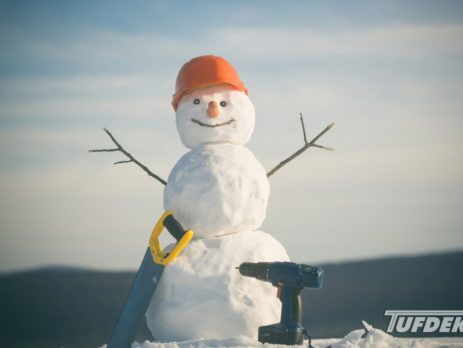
[{"x": 219, "y": 190}]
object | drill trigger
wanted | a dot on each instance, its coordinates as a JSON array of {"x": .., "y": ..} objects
[{"x": 279, "y": 289}]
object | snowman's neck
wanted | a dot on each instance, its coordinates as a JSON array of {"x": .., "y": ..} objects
[
  {"x": 219, "y": 143},
  {"x": 219, "y": 235}
]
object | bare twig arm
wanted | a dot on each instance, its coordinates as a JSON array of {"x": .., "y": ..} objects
[
  {"x": 303, "y": 128},
  {"x": 129, "y": 156},
  {"x": 307, "y": 144}
]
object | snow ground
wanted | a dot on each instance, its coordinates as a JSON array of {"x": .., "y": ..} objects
[{"x": 362, "y": 338}]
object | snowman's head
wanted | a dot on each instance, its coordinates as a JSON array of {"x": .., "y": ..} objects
[{"x": 215, "y": 114}]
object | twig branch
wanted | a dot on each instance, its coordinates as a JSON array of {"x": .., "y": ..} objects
[
  {"x": 129, "y": 156},
  {"x": 307, "y": 144},
  {"x": 303, "y": 128},
  {"x": 104, "y": 150}
]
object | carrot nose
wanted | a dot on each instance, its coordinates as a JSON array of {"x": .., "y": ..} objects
[{"x": 213, "y": 109}]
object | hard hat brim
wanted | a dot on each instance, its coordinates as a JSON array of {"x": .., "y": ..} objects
[{"x": 176, "y": 97}]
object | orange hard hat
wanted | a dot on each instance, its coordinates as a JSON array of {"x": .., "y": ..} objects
[{"x": 205, "y": 71}]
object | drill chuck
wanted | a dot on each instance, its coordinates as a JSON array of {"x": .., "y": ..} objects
[{"x": 255, "y": 270}]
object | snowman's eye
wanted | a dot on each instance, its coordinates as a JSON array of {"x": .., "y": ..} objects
[
  {"x": 223, "y": 103},
  {"x": 196, "y": 101}
]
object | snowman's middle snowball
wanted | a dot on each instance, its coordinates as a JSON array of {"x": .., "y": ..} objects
[{"x": 217, "y": 189}]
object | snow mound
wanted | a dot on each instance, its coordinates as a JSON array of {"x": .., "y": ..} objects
[
  {"x": 375, "y": 338},
  {"x": 202, "y": 294},
  {"x": 362, "y": 338}
]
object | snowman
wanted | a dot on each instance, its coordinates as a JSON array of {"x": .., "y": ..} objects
[{"x": 219, "y": 190}]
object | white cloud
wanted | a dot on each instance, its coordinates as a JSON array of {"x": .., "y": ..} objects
[
  {"x": 257, "y": 46},
  {"x": 283, "y": 44},
  {"x": 82, "y": 101}
]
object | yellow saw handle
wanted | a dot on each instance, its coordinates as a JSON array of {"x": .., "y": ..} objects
[{"x": 176, "y": 230}]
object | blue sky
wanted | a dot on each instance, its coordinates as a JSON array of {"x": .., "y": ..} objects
[{"x": 388, "y": 73}]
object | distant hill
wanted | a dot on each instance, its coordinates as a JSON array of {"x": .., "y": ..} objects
[{"x": 68, "y": 307}]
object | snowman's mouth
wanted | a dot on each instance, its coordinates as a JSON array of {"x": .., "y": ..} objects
[{"x": 212, "y": 125}]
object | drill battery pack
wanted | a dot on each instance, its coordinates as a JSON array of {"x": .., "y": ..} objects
[{"x": 282, "y": 334}]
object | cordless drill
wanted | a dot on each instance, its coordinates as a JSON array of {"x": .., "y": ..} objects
[{"x": 290, "y": 278}]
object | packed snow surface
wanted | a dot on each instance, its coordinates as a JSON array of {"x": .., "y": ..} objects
[
  {"x": 217, "y": 189},
  {"x": 234, "y": 124},
  {"x": 362, "y": 338},
  {"x": 202, "y": 294}
]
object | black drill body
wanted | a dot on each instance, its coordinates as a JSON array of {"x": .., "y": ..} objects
[{"x": 290, "y": 278}]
